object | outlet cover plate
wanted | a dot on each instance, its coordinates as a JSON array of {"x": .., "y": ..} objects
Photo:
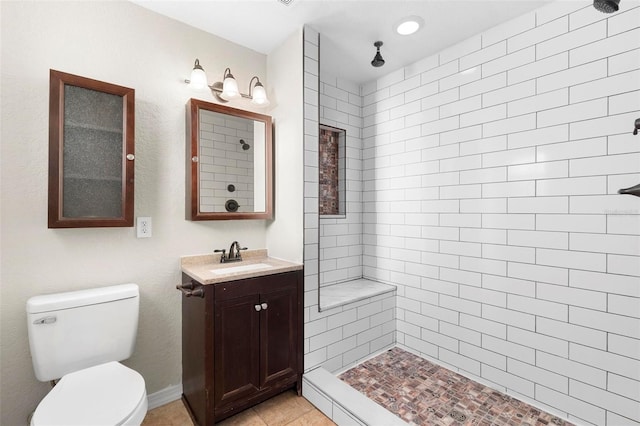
[{"x": 143, "y": 227}]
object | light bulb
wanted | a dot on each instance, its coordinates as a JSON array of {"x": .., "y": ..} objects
[
  {"x": 409, "y": 25},
  {"x": 229, "y": 88},
  {"x": 259, "y": 95},
  {"x": 198, "y": 77}
]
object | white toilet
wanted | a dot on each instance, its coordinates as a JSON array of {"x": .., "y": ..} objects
[{"x": 79, "y": 337}]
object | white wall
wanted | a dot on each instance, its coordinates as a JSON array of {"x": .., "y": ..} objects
[
  {"x": 311, "y": 67},
  {"x": 120, "y": 43},
  {"x": 490, "y": 179},
  {"x": 284, "y": 66},
  {"x": 341, "y": 238}
]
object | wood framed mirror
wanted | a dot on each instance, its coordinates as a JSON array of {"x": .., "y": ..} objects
[
  {"x": 91, "y": 152},
  {"x": 229, "y": 163}
]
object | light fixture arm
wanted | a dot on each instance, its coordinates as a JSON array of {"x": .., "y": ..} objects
[{"x": 217, "y": 89}]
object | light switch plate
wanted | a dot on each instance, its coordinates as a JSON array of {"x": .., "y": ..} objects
[{"x": 143, "y": 227}]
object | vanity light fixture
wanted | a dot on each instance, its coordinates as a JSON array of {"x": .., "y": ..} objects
[
  {"x": 227, "y": 90},
  {"x": 409, "y": 25}
]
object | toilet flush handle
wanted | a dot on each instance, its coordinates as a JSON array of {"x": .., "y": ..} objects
[{"x": 45, "y": 320}]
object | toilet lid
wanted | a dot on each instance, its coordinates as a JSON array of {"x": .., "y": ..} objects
[{"x": 102, "y": 395}]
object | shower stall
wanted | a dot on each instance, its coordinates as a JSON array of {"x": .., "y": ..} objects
[{"x": 489, "y": 201}]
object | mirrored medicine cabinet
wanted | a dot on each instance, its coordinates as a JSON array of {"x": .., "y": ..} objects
[
  {"x": 91, "y": 153},
  {"x": 229, "y": 163}
]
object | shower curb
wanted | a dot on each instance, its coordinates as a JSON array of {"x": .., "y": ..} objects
[{"x": 343, "y": 404}]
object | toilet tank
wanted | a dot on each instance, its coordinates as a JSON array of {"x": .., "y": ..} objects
[{"x": 79, "y": 329}]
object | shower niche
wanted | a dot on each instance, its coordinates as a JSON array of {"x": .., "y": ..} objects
[{"x": 332, "y": 166}]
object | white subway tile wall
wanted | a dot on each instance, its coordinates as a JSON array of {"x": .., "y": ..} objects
[
  {"x": 337, "y": 338},
  {"x": 516, "y": 262},
  {"x": 341, "y": 238},
  {"x": 224, "y": 162}
]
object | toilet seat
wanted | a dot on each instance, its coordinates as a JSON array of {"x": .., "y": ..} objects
[{"x": 106, "y": 394}]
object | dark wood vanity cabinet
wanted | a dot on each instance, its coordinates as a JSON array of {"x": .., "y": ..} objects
[{"x": 241, "y": 343}]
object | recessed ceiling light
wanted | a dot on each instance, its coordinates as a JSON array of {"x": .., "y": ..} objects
[{"x": 409, "y": 25}]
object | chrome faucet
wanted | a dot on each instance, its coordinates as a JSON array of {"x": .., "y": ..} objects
[
  {"x": 233, "y": 255},
  {"x": 234, "y": 252}
]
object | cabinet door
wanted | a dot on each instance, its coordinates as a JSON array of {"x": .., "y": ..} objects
[
  {"x": 91, "y": 152},
  {"x": 236, "y": 349},
  {"x": 279, "y": 331}
]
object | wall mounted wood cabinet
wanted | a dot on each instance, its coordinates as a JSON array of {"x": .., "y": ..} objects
[
  {"x": 241, "y": 343},
  {"x": 91, "y": 152}
]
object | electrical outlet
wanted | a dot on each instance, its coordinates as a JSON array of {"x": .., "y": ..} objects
[{"x": 143, "y": 227}]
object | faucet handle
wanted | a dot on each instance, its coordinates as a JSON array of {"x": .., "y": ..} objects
[
  {"x": 223, "y": 258},
  {"x": 238, "y": 255}
]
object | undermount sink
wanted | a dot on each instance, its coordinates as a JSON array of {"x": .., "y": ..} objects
[{"x": 242, "y": 268}]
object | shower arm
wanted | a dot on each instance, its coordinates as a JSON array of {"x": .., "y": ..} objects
[{"x": 632, "y": 190}]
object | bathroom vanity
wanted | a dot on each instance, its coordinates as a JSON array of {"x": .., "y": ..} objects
[{"x": 242, "y": 331}]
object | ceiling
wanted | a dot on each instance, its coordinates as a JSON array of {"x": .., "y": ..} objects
[{"x": 348, "y": 28}]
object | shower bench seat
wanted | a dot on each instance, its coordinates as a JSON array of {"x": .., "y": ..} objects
[{"x": 343, "y": 293}]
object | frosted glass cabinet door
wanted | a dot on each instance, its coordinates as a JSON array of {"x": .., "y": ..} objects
[{"x": 91, "y": 152}]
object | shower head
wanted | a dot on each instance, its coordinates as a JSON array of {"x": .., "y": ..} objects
[
  {"x": 606, "y": 6},
  {"x": 377, "y": 60},
  {"x": 245, "y": 145}
]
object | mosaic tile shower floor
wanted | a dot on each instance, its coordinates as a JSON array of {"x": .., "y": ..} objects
[{"x": 423, "y": 393}]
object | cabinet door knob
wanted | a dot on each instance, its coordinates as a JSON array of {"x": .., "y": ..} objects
[
  {"x": 130, "y": 157},
  {"x": 194, "y": 159},
  {"x": 258, "y": 308},
  {"x": 264, "y": 306}
]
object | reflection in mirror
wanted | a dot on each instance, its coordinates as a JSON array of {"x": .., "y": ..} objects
[
  {"x": 342, "y": 273},
  {"x": 230, "y": 159}
]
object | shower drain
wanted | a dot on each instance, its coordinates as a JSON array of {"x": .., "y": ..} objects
[{"x": 458, "y": 416}]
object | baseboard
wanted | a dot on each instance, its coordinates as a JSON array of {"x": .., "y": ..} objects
[{"x": 164, "y": 396}]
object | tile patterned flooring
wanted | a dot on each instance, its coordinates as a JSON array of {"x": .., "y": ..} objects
[
  {"x": 286, "y": 409},
  {"x": 416, "y": 390},
  {"x": 423, "y": 393}
]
